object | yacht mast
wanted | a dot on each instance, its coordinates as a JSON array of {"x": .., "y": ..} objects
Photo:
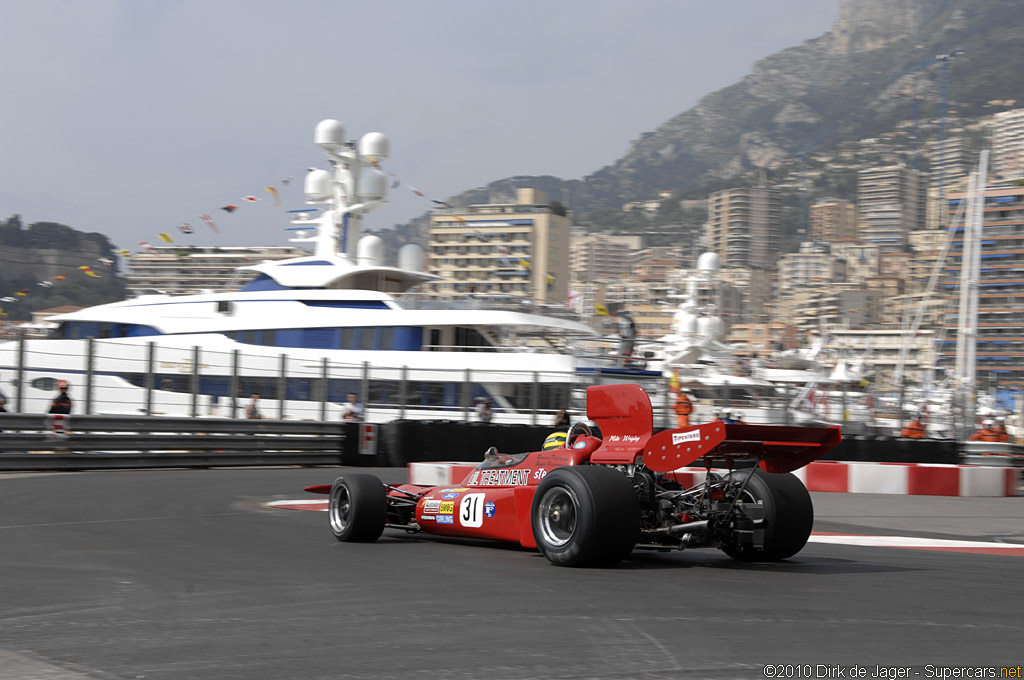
[
  {"x": 970, "y": 265},
  {"x": 356, "y": 186}
]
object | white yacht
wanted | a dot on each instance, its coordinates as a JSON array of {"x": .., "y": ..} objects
[{"x": 305, "y": 332}]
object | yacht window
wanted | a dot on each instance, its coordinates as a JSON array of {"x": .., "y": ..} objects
[
  {"x": 348, "y": 338},
  {"x": 387, "y": 338},
  {"x": 366, "y": 338},
  {"x": 270, "y": 340},
  {"x": 249, "y": 337}
]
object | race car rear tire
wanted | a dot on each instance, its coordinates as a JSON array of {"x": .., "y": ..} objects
[
  {"x": 585, "y": 516},
  {"x": 358, "y": 508},
  {"x": 788, "y": 515}
]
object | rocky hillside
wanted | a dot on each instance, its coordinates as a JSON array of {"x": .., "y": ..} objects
[{"x": 843, "y": 85}]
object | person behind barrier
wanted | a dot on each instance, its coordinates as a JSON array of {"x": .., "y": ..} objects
[
  {"x": 987, "y": 433},
  {"x": 914, "y": 429},
  {"x": 683, "y": 408},
  {"x": 1000, "y": 429},
  {"x": 561, "y": 418},
  {"x": 483, "y": 409},
  {"x": 62, "y": 402},
  {"x": 252, "y": 410},
  {"x": 352, "y": 409},
  {"x": 727, "y": 417}
]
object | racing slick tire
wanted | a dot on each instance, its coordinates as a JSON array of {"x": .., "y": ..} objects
[
  {"x": 358, "y": 508},
  {"x": 788, "y": 515},
  {"x": 585, "y": 516}
]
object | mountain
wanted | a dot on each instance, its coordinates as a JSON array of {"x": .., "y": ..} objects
[
  {"x": 44, "y": 251},
  {"x": 841, "y": 86}
]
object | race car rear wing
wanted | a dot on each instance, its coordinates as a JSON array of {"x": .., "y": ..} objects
[
  {"x": 777, "y": 448},
  {"x": 624, "y": 414}
]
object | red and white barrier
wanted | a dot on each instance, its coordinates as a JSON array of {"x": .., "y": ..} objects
[
  {"x": 840, "y": 477},
  {"x": 444, "y": 473},
  {"x": 913, "y": 479}
]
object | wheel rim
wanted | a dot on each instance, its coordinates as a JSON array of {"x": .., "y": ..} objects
[
  {"x": 340, "y": 506},
  {"x": 559, "y": 510}
]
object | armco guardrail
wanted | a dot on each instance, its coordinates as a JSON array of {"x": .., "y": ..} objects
[{"x": 41, "y": 442}]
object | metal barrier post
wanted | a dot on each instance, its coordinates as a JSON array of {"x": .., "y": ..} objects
[
  {"x": 323, "y": 389},
  {"x": 364, "y": 388},
  {"x": 150, "y": 377},
  {"x": 403, "y": 392},
  {"x": 534, "y": 398},
  {"x": 90, "y": 349},
  {"x": 233, "y": 386},
  {"x": 19, "y": 403},
  {"x": 282, "y": 386},
  {"x": 194, "y": 380}
]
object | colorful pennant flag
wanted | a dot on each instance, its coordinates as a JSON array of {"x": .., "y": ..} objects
[
  {"x": 210, "y": 223},
  {"x": 229, "y": 208},
  {"x": 185, "y": 228},
  {"x": 277, "y": 196},
  {"x": 165, "y": 237},
  {"x": 251, "y": 199},
  {"x": 600, "y": 309},
  {"x": 93, "y": 274},
  {"x": 60, "y": 277}
]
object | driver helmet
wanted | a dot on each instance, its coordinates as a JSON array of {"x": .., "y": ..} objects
[
  {"x": 726, "y": 413},
  {"x": 555, "y": 440}
]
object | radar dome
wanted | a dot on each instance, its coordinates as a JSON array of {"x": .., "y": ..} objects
[
  {"x": 329, "y": 134},
  {"x": 375, "y": 146},
  {"x": 373, "y": 185},
  {"x": 410, "y": 257},
  {"x": 708, "y": 262},
  {"x": 318, "y": 185},
  {"x": 370, "y": 250},
  {"x": 685, "y": 323}
]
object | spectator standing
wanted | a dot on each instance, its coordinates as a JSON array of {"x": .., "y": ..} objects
[
  {"x": 353, "y": 410},
  {"x": 561, "y": 418},
  {"x": 252, "y": 410},
  {"x": 914, "y": 429},
  {"x": 627, "y": 333},
  {"x": 483, "y": 409},
  {"x": 62, "y": 402}
]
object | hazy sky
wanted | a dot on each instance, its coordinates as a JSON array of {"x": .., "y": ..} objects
[{"x": 130, "y": 117}]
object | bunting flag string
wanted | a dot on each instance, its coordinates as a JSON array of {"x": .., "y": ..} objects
[{"x": 187, "y": 229}]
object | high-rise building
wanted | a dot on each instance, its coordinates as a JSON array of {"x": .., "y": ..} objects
[
  {"x": 948, "y": 162},
  {"x": 832, "y": 219},
  {"x": 1008, "y": 144},
  {"x": 1000, "y": 337},
  {"x": 519, "y": 249},
  {"x": 890, "y": 204},
  {"x": 744, "y": 227}
]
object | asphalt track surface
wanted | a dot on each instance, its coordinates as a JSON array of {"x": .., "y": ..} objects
[{"x": 187, "y": 574}]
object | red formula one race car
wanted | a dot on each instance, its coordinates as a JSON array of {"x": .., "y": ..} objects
[{"x": 596, "y": 500}]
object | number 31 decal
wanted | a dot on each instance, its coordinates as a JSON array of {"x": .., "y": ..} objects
[{"x": 471, "y": 510}]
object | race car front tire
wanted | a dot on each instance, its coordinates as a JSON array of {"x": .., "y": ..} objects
[
  {"x": 585, "y": 516},
  {"x": 788, "y": 515},
  {"x": 358, "y": 508}
]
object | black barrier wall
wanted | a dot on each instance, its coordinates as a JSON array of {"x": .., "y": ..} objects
[{"x": 413, "y": 441}]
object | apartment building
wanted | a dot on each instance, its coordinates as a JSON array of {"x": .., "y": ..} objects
[
  {"x": 890, "y": 204},
  {"x": 1000, "y": 335},
  {"x": 518, "y": 249},
  {"x": 193, "y": 269},
  {"x": 1008, "y": 144},
  {"x": 814, "y": 265},
  {"x": 594, "y": 256},
  {"x": 744, "y": 227},
  {"x": 832, "y": 219}
]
